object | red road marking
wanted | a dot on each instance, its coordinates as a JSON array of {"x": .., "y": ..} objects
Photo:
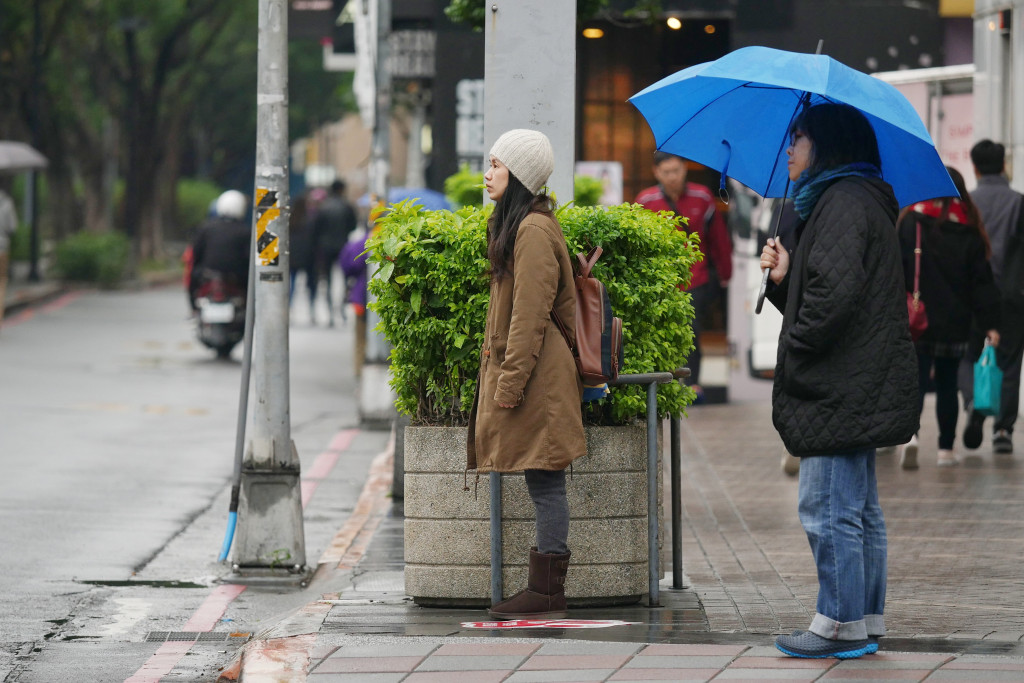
[
  {"x": 161, "y": 663},
  {"x": 351, "y": 541},
  {"x": 213, "y": 608},
  {"x": 60, "y": 302},
  {"x": 342, "y": 440},
  {"x": 28, "y": 314},
  {"x": 324, "y": 463}
]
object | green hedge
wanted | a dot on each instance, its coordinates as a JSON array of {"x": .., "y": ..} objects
[
  {"x": 432, "y": 289},
  {"x": 90, "y": 257},
  {"x": 466, "y": 188}
]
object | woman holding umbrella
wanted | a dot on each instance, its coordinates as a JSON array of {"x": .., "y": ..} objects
[{"x": 846, "y": 379}]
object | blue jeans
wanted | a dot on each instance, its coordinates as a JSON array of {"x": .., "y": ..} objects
[{"x": 840, "y": 513}]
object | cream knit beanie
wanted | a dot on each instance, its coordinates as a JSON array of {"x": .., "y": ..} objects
[{"x": 528, "y": 156}]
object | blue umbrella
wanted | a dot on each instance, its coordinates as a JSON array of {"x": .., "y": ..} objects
[
  {"x": 432, "y": 200},
  {"x": 733, "y": 115}
]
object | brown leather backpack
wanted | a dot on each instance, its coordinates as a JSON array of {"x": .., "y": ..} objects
[{"x": 598, "y": 348}]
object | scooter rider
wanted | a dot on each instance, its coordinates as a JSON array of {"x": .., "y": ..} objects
[{"x": 222, "y": 245}]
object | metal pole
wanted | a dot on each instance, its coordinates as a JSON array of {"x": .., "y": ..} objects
[
  {"x": 496, "y": 557},
  {"x": 36, "y": 128},
  {"x": 653, "y": 562},
  {"x": 377, "y": 349},
  {"x": 271, "y": 542},
  {"x": 677, "y": 504}
]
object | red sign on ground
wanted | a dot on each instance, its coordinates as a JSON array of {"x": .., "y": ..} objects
[{"x": 547, "y": 623}]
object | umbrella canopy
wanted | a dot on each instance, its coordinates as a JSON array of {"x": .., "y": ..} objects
[
  {"x": 733, "y": 115},
  {"x": 432, "y": 200},
  {"x": 17, "y": 156}
]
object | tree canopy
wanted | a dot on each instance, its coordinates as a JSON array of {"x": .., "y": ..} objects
[{"x": 144, "y": 92}]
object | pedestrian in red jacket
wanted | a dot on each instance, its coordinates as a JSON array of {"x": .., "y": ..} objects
[{"x": 695, "y": 203}]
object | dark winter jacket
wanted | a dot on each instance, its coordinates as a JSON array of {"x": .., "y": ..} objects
[
  {"x": 846, "y": 377},
  {"x": 956, "y": 279}
]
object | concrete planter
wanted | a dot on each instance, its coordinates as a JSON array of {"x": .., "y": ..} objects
[{"x": 447, "y": 529}]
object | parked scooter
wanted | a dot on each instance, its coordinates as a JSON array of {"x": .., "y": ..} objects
[{"x": 220, "y": 305}]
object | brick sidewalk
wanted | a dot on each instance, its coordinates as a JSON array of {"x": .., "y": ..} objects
[
  {"x": 956, "y": 535},
  {"x": 427, "y": 661},
  {"x": 954, "y": 607}
]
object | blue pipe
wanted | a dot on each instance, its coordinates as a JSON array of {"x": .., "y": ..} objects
[{"x": 228, "y": 536}]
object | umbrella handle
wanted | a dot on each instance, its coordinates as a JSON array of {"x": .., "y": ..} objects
[
  {"x": 761, "y": 293},
  {"x": 764, "y": 273}
]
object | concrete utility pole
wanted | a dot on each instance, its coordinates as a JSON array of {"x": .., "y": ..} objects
[
  {"x": 998, "y": 88},
  {"x": 376, "y": 400},
  {"x": 529, "y": 82},
  {"x": 530, "y": 78},
  {"x": 380, "y": 158},
  {"x": 271, "y": 543}
]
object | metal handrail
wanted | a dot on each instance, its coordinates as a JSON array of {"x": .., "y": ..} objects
[{"x": 651, "y": 380}]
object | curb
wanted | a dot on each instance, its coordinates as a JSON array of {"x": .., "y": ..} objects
[{"x": 25, "y": 296}]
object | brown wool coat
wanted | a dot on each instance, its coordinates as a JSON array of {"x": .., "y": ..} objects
[{"x": 526, "y": 362}]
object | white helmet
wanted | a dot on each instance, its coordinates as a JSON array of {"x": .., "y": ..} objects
[{"x": 232, "y": 204}]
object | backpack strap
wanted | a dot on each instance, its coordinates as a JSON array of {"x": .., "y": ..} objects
[
  {"x": 564, "y": 331},
  {"x": 587, "y": 262}
]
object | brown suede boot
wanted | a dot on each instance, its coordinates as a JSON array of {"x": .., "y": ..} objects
[{"x": 544, "y": 597}]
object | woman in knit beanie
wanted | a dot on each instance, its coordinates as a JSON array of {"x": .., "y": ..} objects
[{"x": 527, "y": 416}]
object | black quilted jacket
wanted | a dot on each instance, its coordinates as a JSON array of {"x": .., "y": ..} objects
[{"x": 846, "y": 377}]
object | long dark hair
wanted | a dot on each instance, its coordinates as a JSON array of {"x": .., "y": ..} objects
[
  {"x": 840, "y": 134},
  {"x": 973, "y": 215},
  {"x": 515, "y": 204}
]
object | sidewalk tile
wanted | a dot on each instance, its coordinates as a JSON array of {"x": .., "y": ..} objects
[
  {"x": 680, "y": 649},
  {"x": 980, "y": 663},
  {"x": 470, "y": 662},
  {"x": 354, "y": 678},
  {"x": 583, "y": 647},
  {"x": 781, "y": 663},
  {"x": 343, "y": 665},
  {"x": 552, "y": 662},
  {"x": 487, "y": 649},
  {"x": 894, "y": 662},
  {"x": 322, "y": 652},
  {"x": 787, "y": 675},
  {"x": 578, "y": 676},
  {"x": 877, "y": 675},
  {"x": 975, "y": 675},
  {"x": 406, "y": 649},
  {"x": 679, "y": 662},
  {"x": 457, "y": 677},
  {"x": 664, "y": 675}
]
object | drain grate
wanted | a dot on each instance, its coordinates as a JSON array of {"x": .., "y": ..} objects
[{"x": 199, "y": 636}]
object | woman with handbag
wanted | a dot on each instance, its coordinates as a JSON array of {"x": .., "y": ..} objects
[
  {"x": 845, "y": 377},
  {"x": 946, "y": 251},
  {"x": 527, "y": 416}
]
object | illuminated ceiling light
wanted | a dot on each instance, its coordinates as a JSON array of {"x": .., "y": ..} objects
[
  {"x": 709, "y": 29},
  {"x": 593, "y": 33},
  {"x": 991, "y": 26},
  {"x": 674, "y": 23}
]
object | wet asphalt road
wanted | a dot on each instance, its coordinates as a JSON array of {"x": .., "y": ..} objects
[{"x": 117, "y": 435}]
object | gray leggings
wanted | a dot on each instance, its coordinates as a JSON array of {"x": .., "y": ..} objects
[{"x": 547, "y": 490}]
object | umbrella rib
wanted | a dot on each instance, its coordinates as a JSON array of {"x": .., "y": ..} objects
[
  {"x": 805, "y": 97},
  {"x": 745, "y": 84}
]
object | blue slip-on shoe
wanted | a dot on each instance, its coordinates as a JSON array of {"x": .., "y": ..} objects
[
  {"x": 808, "y": 645},
  {"x": 871, "y": 649}
]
